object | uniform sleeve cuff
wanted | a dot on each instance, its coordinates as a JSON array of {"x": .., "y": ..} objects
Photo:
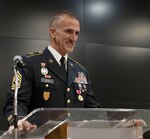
[{"x": 10, "y": 119}]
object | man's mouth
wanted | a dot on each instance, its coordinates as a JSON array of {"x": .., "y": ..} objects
[{"x": 70, "y": 43}]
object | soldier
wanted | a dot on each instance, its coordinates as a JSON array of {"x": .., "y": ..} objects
[{"x": 50, "y": 78}]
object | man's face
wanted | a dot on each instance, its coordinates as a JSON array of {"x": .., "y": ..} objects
[{"x": 66, "y": 35}]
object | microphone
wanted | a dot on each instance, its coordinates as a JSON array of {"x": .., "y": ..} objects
[{"x": 19, "y": 61}]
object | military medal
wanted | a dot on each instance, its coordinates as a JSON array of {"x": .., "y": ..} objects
[
  {"x": 78, "y": 92},
  {"x": 80, "y": 86},
  {"x": 85, "y": 88},
  {"x": 44, "y": 70},
  {"x": 80, "y": 98}
]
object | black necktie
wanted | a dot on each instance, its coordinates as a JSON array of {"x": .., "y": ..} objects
[{"x": 62, "y": 61}]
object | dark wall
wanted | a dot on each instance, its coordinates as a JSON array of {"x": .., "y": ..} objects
[
  {"x": 117, "y": 46},
  {"x": 113, "y": 45},
  {"x": 120, "y": 75}
]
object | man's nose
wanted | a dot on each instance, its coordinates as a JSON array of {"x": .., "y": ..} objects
[{"x": 74, "y": 36}]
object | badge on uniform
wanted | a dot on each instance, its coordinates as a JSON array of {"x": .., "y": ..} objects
[
  {"x": 51, "y": 81},
  {"x": 80, "y": 97},
  {"x": 43, "y": 64},
  {"x": 13, "y": 85},
  {"x": 46, "y": 95},
  {"x": 44, "y": 70},
  {"x": 50, "y": 60},
  {"x": 81, "y": 78}
]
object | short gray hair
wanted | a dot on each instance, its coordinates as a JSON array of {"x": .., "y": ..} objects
[{"x": 56, "y": 17}]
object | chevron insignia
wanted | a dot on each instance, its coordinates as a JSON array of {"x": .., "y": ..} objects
[{"x": 13, "y": 85}]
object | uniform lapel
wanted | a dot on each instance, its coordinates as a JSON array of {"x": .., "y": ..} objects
[
  {"x": 53, "y": 66},
  {"x": 72, "y": 72}
]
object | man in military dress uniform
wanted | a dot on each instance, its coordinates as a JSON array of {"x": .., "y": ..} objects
[{"x": 50, "y": 78}]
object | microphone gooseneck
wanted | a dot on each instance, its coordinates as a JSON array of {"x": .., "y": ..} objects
[{"x": 18, "y": 63}]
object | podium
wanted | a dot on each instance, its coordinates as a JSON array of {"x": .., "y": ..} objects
[{"x": 81, "y": 123}]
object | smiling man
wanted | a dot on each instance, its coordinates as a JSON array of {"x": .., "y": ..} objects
[
  {"x": 64, "y": 30},
  {"x": 50, "y": 78}
]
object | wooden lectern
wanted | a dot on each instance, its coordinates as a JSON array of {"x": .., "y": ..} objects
[{"x": 59, "y": 132}]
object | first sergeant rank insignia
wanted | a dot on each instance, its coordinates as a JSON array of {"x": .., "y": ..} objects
[{"x": 13, "y": 85}]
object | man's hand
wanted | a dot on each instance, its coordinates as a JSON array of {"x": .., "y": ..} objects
[
  {"x": 135, "y": 123},
  {"x": 24, "y": 126}
]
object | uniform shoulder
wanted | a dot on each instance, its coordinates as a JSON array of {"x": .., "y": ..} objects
[
  {"x": 77, "y": 63},
  {"x": 33, "y": 54}
]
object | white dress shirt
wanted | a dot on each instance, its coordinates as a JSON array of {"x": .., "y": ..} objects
[{"x": 58, "y": 56}]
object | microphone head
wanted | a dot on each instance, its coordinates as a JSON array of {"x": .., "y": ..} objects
[
  {"x": 17, "y": 57},
  {"x": 19, "y": 61}
]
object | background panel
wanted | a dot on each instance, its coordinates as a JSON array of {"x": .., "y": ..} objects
[
  {"x": 121, "y": 75},
  {"x": 30, "y": 19},
  {"x": 117, "y": 22}
]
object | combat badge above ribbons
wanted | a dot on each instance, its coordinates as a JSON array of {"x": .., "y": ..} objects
[{"x": 13, "y": 85}]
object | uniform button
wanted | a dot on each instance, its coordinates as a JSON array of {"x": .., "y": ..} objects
[
  {"x": 68, "y": 89},
  {"x": 68, "y": 101},
  {"x": 46, "y": 85}
]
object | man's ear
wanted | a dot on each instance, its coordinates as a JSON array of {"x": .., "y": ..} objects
[{"x": 52, "y": 32}]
